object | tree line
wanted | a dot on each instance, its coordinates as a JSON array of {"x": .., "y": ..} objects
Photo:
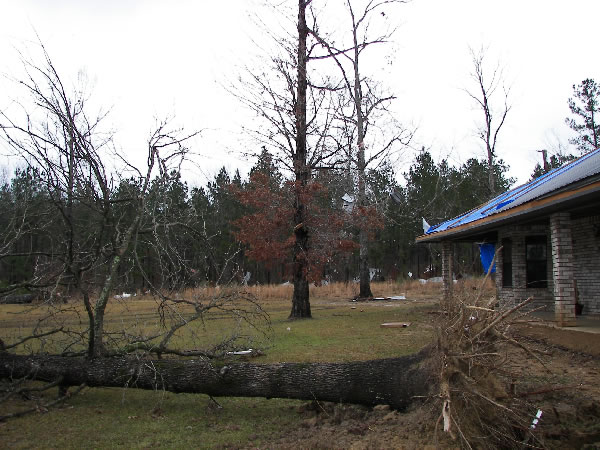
[
  {"x": 234, "y": 229},
  {"x": 322, "y": 202},
  {"x": 66, "y": 218},
  {"x": 237, "y": 229}
]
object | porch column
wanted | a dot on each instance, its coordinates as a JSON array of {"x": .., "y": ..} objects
[
  {"x": 447, "y": 247},
  {"x": 562, "y": 269}
]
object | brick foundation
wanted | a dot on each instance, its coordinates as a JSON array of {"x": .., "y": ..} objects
[{"x": 447, "y": 269}]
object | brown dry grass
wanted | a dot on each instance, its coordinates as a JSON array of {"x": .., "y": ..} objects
[
  {"x": 346, "y": 291},
  {"x": 332, "y": 291}
]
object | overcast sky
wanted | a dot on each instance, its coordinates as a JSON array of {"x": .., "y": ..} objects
[{"x": 148, "y": 59}]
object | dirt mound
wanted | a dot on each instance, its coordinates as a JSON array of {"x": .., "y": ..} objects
[{"x": 335, "y": 426}]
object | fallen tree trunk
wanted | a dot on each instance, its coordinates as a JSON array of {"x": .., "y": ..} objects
[{"x": 395, "y": 382}]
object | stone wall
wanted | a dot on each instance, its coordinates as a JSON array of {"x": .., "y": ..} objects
[
  {"x": 585, "y": 235},
  {"x": 586, "y": 248}
]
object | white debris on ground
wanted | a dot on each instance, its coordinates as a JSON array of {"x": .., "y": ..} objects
[
  {"x": 241, "y": 352},
  {"x": 246, "y": 278},
  {"x": 394, "y": 297},
  {"x": 434, "y": 280}
]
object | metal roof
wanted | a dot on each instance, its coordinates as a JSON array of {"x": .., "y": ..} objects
[{"x": 552, "y": 182}]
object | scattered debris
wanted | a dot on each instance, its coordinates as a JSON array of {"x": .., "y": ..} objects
[
  {"x": 434, "y": 280},
  {"x": 379, "y": 299},
  {"x": 241, "y": 352},
  {"x": 537, "y": 418},
  {"x": 246, "y": 278},
  {"x": 251, "y": 352},
  {"x": 395, "y": 325}
]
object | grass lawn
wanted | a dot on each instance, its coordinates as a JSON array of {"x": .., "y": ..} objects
[{"x": 340, "y": 330}]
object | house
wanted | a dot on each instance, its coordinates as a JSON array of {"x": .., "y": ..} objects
[{"x": 548, "y": 235}]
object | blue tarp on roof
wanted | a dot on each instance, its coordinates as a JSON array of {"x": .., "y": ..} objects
[{"x": 586, "y": 166}]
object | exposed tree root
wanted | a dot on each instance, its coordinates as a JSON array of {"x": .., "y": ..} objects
[{"x": 476, "y": 405}]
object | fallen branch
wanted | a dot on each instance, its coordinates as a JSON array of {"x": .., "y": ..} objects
[
  {"x": 545, "y": 391},
  {"x": 44, "y": 407},
  {"x": 502, "y": 317}
]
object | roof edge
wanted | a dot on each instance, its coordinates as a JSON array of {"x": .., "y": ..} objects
[{"x": 533, "y": 206}]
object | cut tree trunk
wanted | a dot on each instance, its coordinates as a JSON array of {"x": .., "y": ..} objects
[{"x": 396, "y": 382}]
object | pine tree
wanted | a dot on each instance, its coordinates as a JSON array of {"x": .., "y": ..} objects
[{"x": 585, "y": 107}]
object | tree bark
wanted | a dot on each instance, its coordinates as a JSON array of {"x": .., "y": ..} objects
[
  {"x": 396, "y": 382},
  {"x": 363, "y": 238},
  {"x": 300, "y": 298}
]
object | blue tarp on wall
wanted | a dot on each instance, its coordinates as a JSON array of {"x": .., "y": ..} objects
[{"x": 486, "y": 252}]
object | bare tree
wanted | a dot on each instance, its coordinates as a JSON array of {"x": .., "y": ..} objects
[
  {"x": 366, "y": 108},
  {"x": 489, "y": 84},
  {"x": 95, "y": 231}
]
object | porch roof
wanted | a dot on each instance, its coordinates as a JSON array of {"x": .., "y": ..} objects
[{"x": 573, "y": 185}]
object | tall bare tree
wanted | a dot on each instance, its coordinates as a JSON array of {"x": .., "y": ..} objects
[
  {"x": 490, "y": 87},
  {"x": 366, "y": 108}
]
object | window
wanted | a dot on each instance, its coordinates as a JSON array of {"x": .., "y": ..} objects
[
  {"x": 535, "y": 247},
  {"x": 507, "y": 263}
]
